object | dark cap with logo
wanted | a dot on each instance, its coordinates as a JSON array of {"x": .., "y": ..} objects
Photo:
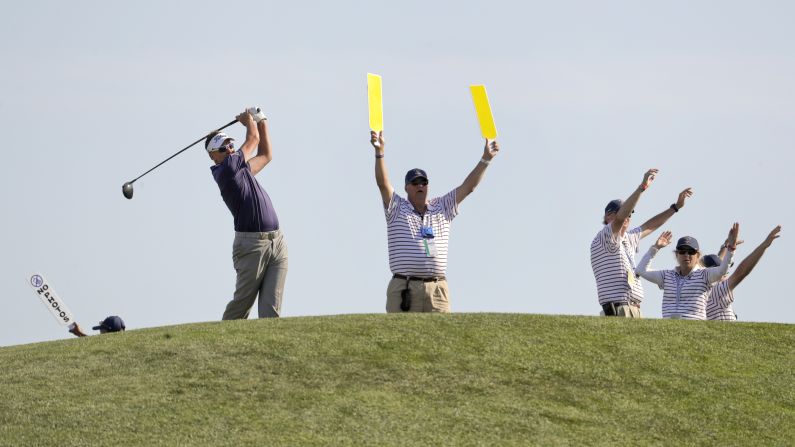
[
  {"x": 111, "y": 324},
  {"x": 613, "y": 206},
  {"x": 414, "y": 174},
  {"x": 687, "y": 241}
]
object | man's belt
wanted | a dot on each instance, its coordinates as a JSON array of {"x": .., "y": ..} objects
[{"x": 417, "y": 278}]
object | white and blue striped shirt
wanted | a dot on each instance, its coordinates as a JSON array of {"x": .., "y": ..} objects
[
  {"x": 407, "y": 254},
  {"x": 613, "y": 261},
  {"x": 719, "y": 304},
  {"x": 683, "y": 296}
]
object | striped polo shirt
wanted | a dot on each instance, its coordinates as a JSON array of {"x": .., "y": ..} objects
[
  {"x": 719, "y": 304},
  {"x": 407, "y": 255},
  {"x": 612, "y": 261},
  {"x": 685, "y": 297}
]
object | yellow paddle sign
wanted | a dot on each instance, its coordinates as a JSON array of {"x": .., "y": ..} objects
[
  {"x": 375, "y": 101},
  {"x": 486, "y": 119}
]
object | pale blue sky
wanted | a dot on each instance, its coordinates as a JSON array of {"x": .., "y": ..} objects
[{"x": 586, "y": 97}]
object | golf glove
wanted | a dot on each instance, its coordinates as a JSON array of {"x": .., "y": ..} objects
[{"x": 257, "y": 114}]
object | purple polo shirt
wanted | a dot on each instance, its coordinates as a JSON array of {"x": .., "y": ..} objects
[{"x": 244, "y": 196}]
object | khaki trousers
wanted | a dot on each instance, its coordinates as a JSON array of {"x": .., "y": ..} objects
[
  {"x": 260, "y": 260},
  {"x": 425, "y": 296}
]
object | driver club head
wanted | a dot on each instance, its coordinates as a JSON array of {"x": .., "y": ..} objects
[{"x": 127, "y": 190}]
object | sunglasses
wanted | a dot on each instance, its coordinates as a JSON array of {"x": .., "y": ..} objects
[
  {"x": 227, "y": 147},
  {"x": 420, "y": 183},
  {"x": 686, "y": 252}
]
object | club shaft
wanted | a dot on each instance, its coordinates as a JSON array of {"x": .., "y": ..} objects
[{"x": 182, "y": 150}]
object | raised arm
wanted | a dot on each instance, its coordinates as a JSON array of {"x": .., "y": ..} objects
[
  {"x": 629, "y": 205},
  {"x": 264, "y": 153},
  {"x": 657, "y": 221},
  {"x": 714, "y": 274},
  {"x": 723, "y": 248},
  {"x": 643, "y": 270},
  {"x": 252, "y": 135},
  {"x": 750, "y": 261},
  {"x": 474, "y": 177},
  {"x": 381, "y": 177}
]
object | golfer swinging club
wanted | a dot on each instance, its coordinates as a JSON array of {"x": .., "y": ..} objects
[{"x": 259, "y": 252}]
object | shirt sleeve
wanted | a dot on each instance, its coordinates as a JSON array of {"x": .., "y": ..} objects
[
  {"x": 655, "y": 276},
  {"x": 449, "y": 206},
  {"x": 634, "y": 238},
  {"x": 714, "y": 274},
  {"x": 607, "y": 239},
  {"x": 232, "y": 165},
  {"x": 393, "y": 208},
  {"x": 722, "y": 294}
]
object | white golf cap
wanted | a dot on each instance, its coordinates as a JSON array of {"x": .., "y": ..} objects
[{"x": 217, "y": 141}]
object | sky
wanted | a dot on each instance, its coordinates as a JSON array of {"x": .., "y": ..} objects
[{"x": 586, "y": 97}]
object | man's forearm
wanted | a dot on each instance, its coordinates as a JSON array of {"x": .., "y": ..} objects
[
  {"x": 657, "y": 221},
  {"x": 264, "y": 145},
  {"x": 472, "y": 180},
  {"x": 629, "y": 205},
  {"x": 381, "y": 176},
  {"x": 252, "y": 140},
  {"x": 747, "y": 264}
]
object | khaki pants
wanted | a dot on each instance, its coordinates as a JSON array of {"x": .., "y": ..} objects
[
  {"x": 626, "y": 312},
  {"x": 260, "y": 260},
  {"x": 425, "y": 296}
]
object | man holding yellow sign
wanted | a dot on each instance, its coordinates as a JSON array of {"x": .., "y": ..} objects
[{"x": 417, "y": 227}]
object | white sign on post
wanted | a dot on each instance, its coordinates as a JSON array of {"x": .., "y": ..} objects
[{"x": 51, "y": 300}]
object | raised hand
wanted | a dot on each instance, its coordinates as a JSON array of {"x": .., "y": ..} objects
[
  {"x": 648, "y": 177},
  {"x": 680, "y": 201},
  {"x": 734, "y": 233},
  {"x": 490, "y": 150},
  {"x": 772, "y": 236},
  {"x": 245, "y": 118},
  {"x": 663, "y": 240},
  {"x": 377, "y": 139},
  {"x": 256, "y": 114}
]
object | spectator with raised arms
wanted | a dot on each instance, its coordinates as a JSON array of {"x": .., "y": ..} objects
[
  {"x": 721, "y": 297},
  {"x": 613, "y": 251},
  {"x": 687, "y": 286},
  {"x": 417, "y": 231}
]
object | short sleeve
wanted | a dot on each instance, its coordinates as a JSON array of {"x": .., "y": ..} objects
[
  {"x": 722, "y": 294},
  {"x": 449, "y": 206},
  {"x": 392, "y": 210},
  {"x": 607, "y": 240},
  {"x": 633, "y": 236}
]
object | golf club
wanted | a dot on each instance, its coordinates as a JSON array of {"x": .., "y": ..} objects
[{"x": 127, "y": 188}]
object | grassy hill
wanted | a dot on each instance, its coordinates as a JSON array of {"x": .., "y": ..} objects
[{"x": 404, "y": 380}]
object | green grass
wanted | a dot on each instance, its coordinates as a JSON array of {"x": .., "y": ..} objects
[{"x": 406, "y": 380}]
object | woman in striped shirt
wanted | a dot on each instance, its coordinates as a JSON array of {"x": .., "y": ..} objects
[{"x": 686, "y": 288}]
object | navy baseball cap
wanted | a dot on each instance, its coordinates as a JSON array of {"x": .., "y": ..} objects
[
  {"x": 111, "y": 324},
  {"x": 613, "y": 206},
  {"x": 415, "y": 174},
  {"x": 687, "y": 241},
  {"x": 710, "y": 261}
]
